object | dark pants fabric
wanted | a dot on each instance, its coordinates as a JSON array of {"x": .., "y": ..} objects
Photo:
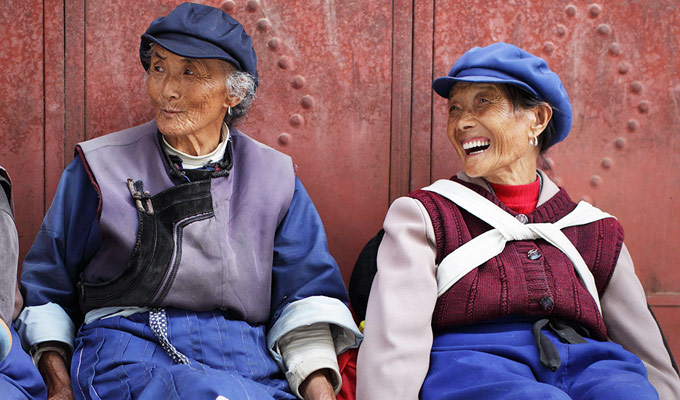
[{"x": 501, "y": 361}]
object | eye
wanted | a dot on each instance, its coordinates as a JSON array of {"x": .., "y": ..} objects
[
  {"x": 157, "y": 68},
  {"x": 483, "y": 100},
  {"x": 454, "y": 109},
  {"x": 188, "y": 72}
]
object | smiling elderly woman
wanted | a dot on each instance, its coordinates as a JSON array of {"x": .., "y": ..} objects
[
  {"x": 190, "y": 253},
  {"x": 494, "y": 284}
]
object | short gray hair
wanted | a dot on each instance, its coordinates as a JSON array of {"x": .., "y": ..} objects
[
  {"x": 242, "y": 83},
  {"x": 237, "y": 81}
]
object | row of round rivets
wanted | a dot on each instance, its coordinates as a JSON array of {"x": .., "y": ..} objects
[
  {"x": 284, "y": 62},
  {"x": 643, "y": 107},
  {"x": 251, "y": 5},
  {"x": 307, "y": 102}
]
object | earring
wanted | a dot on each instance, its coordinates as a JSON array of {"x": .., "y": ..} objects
[
  {"x": 229, "y": 110},
  {"x": 534, "y": 141}
]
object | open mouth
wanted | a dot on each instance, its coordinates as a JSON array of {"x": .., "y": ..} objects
[{"x": 476, "y": 146}]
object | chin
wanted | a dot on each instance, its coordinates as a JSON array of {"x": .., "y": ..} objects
[{"x": 170, "y": 130}]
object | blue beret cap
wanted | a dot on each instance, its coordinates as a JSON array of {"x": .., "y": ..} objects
[
  {"x": 505, "y": 63},
  {"x": 199, "y": 31}
]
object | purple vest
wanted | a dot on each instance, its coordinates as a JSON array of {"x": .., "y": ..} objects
[
  {"x": 222, "y": 229},
  {"x": 529, "y": 278}
]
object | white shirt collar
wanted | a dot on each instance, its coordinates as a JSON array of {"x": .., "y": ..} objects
[{"x": 195, "y": 162}]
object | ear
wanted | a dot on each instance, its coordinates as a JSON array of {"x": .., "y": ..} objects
[
  {"x": 542, "y": 115},
  {"x": 232, "y": 100}
]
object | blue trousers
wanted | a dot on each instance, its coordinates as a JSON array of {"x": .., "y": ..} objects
[
  {"x": 19, "y": 378},
  {"x": 501, "y": 361},
  {"x": 120, "y": 358}
]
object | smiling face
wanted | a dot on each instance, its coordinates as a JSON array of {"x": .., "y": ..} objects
[
  {"x": 491, "y": 136},
  {"x": 190, "y": 99}
]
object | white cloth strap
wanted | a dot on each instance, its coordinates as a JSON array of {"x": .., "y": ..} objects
[{"x": 506, "y": 228}]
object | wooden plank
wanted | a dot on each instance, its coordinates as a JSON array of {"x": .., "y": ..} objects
[
  {"x": 402, "y": 71},
  {"x": 421, "y": 123},
  {"x": 54, "y": 97},
  {"x": 74, "y": 75}
]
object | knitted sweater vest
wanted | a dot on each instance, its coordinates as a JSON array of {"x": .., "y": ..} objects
[{"x": 529, "y": 278}]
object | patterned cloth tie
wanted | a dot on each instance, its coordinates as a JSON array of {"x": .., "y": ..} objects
[{"x": 158, "y": 322}]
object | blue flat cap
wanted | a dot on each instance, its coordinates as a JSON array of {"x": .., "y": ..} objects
[
  {"x": 200, "y": 31},
  {"x": 506, "y": 63}
]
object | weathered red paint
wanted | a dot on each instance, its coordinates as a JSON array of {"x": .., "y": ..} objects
[
  {"x": 55, "y": 96},
  {"x": 21, "y": 110},
  {"x": 74, "y": 76},
  {"x": 421, "y": 131},
  {"x": 345, "y": 89}
]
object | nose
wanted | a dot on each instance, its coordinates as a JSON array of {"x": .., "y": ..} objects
[
  {"x": 465, "y": 121},
  {"x": 171, "y": 88}
]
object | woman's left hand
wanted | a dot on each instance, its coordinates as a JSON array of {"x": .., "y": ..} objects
[{"x": 317, "y": 386}]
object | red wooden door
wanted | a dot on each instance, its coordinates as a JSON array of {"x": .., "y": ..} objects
[
  {"x": 345, "y": 89},
  {"x": 22, "y": 110}
]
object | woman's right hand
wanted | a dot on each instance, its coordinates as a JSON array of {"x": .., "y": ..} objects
[{"x": 53, "y": 369}]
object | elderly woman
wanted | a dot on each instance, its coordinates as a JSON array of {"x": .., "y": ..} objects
[
  {"x": 495, "y": 284},
  {"x": 19, "y": 379},
  {"x": 189, "y": 255}
]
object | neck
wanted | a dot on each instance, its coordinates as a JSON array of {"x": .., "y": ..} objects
[
  {"x": 198, "y": 145},
  {"x": 522, "y": 171},
  {"x": 192, "y": 145},
  {"x": 519, "y": 198}
]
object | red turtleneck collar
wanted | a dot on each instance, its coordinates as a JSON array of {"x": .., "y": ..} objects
[{"x": 519, "y": 198}]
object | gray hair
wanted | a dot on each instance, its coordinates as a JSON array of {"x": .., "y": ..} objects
[
  {"x": 237, "y": 82},
  {"x": 244, "y": 84}
]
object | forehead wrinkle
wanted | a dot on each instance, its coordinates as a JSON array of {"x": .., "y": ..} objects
[{"x": 480, "y": 88}]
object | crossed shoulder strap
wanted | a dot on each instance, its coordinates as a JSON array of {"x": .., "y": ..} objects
[{"x": 506, "y": 228}]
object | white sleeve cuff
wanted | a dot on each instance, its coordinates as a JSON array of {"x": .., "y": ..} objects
[
  {"x": 312, "y": 310},
  {"x": 48, "y": 322},
  {"x": 308, "y": 349}
]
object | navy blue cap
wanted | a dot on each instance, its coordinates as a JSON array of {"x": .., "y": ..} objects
[
  {"x": 506, "y": 63},
  {"x": 199, "y": 31}
]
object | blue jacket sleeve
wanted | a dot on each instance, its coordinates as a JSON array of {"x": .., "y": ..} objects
[
  {"x": 307, "y": 287},
  {"x": 68, "y": 238},
  {"x": 303, "y": 266}
]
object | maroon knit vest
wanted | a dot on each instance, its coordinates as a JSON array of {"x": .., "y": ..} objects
[{"x": 529, "y": 278}]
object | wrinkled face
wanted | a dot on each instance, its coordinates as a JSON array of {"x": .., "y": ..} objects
[
  {"x": 189, "y": 95},
  {"x": 491, "y": 136}
]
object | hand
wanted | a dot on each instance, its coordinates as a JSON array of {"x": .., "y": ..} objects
[
  {"x": 317, "y": 386},
  {"x": 55, "y": 374}
]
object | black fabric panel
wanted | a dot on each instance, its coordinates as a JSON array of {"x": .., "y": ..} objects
[{"x": 362, "y": 276}]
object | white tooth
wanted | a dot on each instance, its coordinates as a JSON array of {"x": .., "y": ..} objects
[
  {"x": 471, "y": 144},
  {"x": 476, "y": 143}
]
